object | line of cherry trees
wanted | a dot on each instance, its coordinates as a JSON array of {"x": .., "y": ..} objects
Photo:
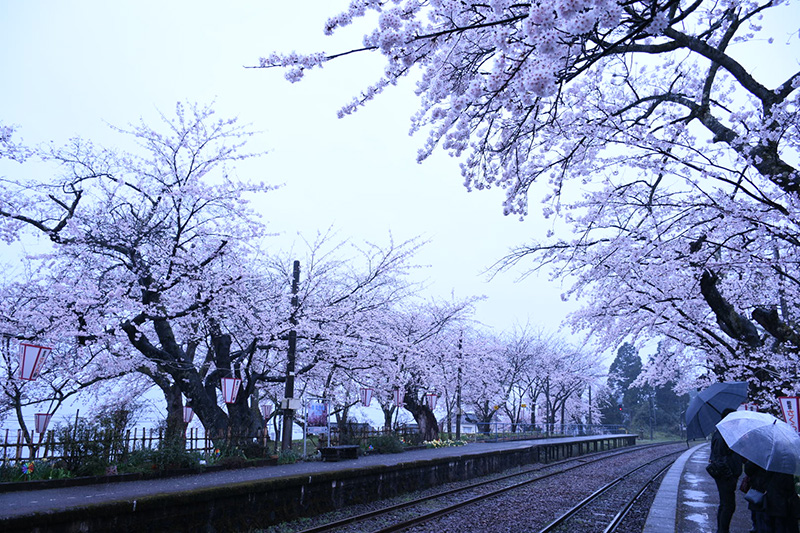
[
  {"x": 661, "y": 139},
  {"x": 156, "y": 271}
]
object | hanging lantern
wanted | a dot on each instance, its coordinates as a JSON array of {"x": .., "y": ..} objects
[
  {"x": 188, "y": 414},
  {"x": 266, "y": 410},
  {"x": 230, "y": 389},
  {"x": 42, "y": 420},
  {"x": 31, "y": 360},
  {"x": 398, "y": 397},
  {"x": 366, "y": 395},
  {"x": 431, "y": 398}
]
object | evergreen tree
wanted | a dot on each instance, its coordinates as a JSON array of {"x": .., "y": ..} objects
[{"x": 622, "y": 400}]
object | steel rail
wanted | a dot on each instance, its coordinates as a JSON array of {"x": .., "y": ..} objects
[
  {"x": 400, "y": 506},
  {"x": 582, "y": 460},
  {"x": 555, "y": 524},
  {"x": 620, "y": 516}
]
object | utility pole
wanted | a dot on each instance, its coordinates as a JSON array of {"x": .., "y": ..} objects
[
  {"x": 547, "y": 413},
  {"x": 288, "y": 411},
  {"x": 458, "y": 394}
]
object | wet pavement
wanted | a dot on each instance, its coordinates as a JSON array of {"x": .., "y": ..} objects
[{"x": 687, "y": 500}]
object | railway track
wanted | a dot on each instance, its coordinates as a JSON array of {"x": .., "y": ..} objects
[
  {"x": 605, "y": 509},
  {"x": 427, "y": 511}
]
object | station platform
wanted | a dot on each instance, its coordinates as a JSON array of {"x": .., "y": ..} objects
[
  {"x": 230, "y": 498},
  {"x": 687, "y": 499}
]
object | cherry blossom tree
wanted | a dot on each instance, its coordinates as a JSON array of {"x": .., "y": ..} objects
[
  {"x": 156, "y": 262},
  {"x": 37, "y": 312},
  {"x": 419, "y": 336},
  {"x": 649, "y": 130},
  {"x": 547, "y": 374},
  {"x": 144, "y": 243},
  {"x": 483, "y": 367}
]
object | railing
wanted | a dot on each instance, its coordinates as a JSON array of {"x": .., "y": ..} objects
[
  {"x": 112, "y": 448},
  {"x": 499, "y": 430},
  {"x": 14, "y": 448}
]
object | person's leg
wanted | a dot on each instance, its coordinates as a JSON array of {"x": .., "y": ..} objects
[{"x": 727, "y": 503}]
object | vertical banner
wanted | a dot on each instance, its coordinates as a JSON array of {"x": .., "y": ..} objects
[
  {"x": 366, "y": 396},
  {"x": 230, "y": 389},
  {"x": 398, "y": 397},
  {"x": 789, "y": 406},
  {"x": 41, "y": 421},
  {"x": 431, "y": 398},
  {"x": 31, "y": 360},
  {"x": 317, "y": 415}
]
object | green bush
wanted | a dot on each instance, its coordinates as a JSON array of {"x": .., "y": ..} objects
[
  {"x": 384, "y": 444},
  {"x": 288, "y": 457},
  {"x": 166, "y": 458},
  {"x": 82, "y": 448},
  {"x": 255, "y": 450}
]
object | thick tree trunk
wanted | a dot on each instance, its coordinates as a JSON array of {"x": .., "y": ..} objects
[
  {"x": 387, "y": 417},
  {"x": 175, "y": 431},
  {"x": 423, "y": 416}
]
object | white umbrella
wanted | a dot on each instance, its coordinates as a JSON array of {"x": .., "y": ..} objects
[{"x": 761, "y": 438}]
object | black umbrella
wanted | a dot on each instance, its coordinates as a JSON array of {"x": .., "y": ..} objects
[{"x": 706, "y": 409}]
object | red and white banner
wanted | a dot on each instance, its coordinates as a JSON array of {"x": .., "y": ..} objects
[
  {"x": 42, "y": 420},
  {"x": 31, "y": 360},
  {"x": 230, "y": 389},
  {"x": 431, "y": 398},
  {"x": 398, "y": 397},
  {"x": 790, "y": 405},
  {"x": 366, "y": 395}
]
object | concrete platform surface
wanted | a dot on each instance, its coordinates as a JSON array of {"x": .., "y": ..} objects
[
  {"x": 26, "y": 503},
  {"x": 687, "y": 500}
]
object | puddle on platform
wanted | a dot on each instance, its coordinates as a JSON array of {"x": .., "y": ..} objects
[{"x": 699, "y": 519}]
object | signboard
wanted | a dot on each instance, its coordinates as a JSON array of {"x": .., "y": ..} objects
[
  {"x": 789, "y": 406},
  {"x": 317, "y": 415}
]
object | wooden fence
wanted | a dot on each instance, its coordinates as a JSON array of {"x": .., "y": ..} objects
[
  {"x": 112, "y": 448},
  {"x": 14, "y": 448}
]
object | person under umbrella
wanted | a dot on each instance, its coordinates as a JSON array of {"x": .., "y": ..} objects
[
  {"x": 705, "y": 409},
  {"x": 777, "y": 512},
  {"x": 772, "y": 450},
  {"x": 725, "y": 467}
]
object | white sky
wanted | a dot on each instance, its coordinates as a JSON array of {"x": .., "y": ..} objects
[{"x": 70, "y": 67}]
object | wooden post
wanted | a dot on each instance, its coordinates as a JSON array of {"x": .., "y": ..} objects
[{"x": 288, "y": 413}]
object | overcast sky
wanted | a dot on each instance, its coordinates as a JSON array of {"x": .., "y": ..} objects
[{"x": 69, "y": 68}]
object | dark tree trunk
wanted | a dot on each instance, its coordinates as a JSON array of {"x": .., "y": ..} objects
[
  {"x": 423, "y": 416},
  {"x": 175, "y": 431}
]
